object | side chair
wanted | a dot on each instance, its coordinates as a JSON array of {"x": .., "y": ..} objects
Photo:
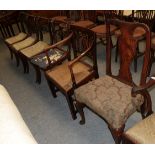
[
  {"x": 31, "y": 38},
  {"x": 110, "y": 96}
]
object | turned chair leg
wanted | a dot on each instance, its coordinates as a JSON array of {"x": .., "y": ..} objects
[
  {"x": 117, "y": 134},
  {"x": 71, "y": 106},
  {"x": 79, "y": 106}
]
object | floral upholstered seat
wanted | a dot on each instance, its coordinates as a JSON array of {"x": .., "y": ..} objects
[
  {"x": 25, "y": 43},
  {"x": 16, "y": 38},
  {"x": 143, "y": 132},
  {"x": 110, "y": 98}
]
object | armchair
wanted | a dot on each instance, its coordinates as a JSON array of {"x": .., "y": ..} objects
[
  {"x": 110, "y": 96},
  {"x": 68, "y": 75}
]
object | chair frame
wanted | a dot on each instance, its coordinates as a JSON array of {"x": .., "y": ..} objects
[
  {"x": 124, "y": 75},
  {"x": 54, "y": 86}
]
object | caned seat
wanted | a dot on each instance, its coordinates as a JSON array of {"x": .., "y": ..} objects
[
  {"x": 23, "y": 44},
  {"x": 84, "y": 23},
  {"x": 143, "y": 132},
  {"x": 61, "y": 74},
  {"x": 16, "y": 38},
  {"x": 34, "y": 49},
  {"x": 105, "y": 96},
  {"x": 100, "y": 30}
]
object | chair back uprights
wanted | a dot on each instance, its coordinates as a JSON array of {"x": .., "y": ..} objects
[
  {"x": 144, "y": 16},
  {"x": 84, "y": 40},
  {"x": 127, "y": 45}
]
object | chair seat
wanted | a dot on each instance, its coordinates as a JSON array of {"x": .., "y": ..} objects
[
  {"x": 60, "y": 18},
  {"x": 61, "y": 74},
  {"x": 84, "y": 23},
  {"x": 143, "y": 132},
  {"x": 34, "y": 49},
  {"x": 25, "y": 43},
  {"x": 138, "y": 33},
  {"x": 41, "y": 59},
  {"x": 109, "y": 98},
  {"x": 100, "y": 30},
  {"x": 16, "y": 38}
]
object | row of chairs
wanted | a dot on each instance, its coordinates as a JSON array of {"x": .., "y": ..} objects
[{"x": 113, "y": 98}]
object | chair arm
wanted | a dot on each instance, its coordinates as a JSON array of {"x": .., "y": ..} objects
[
  {"x": 139, "y": 89},
  {"x": 73, "y": 62}
]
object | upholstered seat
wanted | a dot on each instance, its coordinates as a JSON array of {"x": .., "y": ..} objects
[
  {"x": 61, "y": 74},
  {"x": 25, "y": 43},
  {"x": 101, "y": 29},
  {"x": 143, "y": 132},
  {"x": 16, "y": 38},
  {"x": 84, "y": 23},
  {"x": 41, "y": 59},
  {"x": 110, "y": 98},
  {"x": 34, "y": 49}
]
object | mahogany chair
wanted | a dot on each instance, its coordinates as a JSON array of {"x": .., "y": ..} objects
[
  {"x": 85, "y": 18},
  {"x": 110, "y": 96},
  {"x": 146, "y": 17},
  {"x": 24, "y": 40},
  {"x": 78, "y": 71},
  {"x": 12, "y": 22},
  {"x": 43, "y": 25},
  {"x": 53, "y": 55}
]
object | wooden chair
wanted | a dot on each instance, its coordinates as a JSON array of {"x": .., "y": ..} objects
[
  {"x": 76, "y": 72},
  {"x": 43, "y": 25},
  {"x": 142, "y": 132},
  {"x": 31, "y": 36},
  {"x": 12, "y": 22},
  {"x": 85, "y": 18},
  {"x": 53, "y": 55},
  {"x": 146, "y": 17},
  {"x": 110, "y": 95}
]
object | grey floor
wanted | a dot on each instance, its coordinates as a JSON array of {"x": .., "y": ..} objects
[{"x": 49, "y": 119}]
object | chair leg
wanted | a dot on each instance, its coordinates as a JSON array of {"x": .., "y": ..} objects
[
  {"x": 17, "y": 59},
  {"x": 116, "y": 54},
  {"x": 146, "y": 107},
  {"x": 71, "y": 106},
  {"x": 24, "y": 64},
  {"x": 135, "y": 64},
  {"x": 52, "y": 87},
  {"x": 11, "y": 53},
  {"x": 117, "y": 134},
  {"x": 38, "y": 73},
  {"x": 79, "y": 106}
]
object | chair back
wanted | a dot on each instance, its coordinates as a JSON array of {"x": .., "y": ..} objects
[
  {"x": 144, "y": 16},
  {"x": 84, "y": 40},
  {"x": 127, "y": 45}
]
